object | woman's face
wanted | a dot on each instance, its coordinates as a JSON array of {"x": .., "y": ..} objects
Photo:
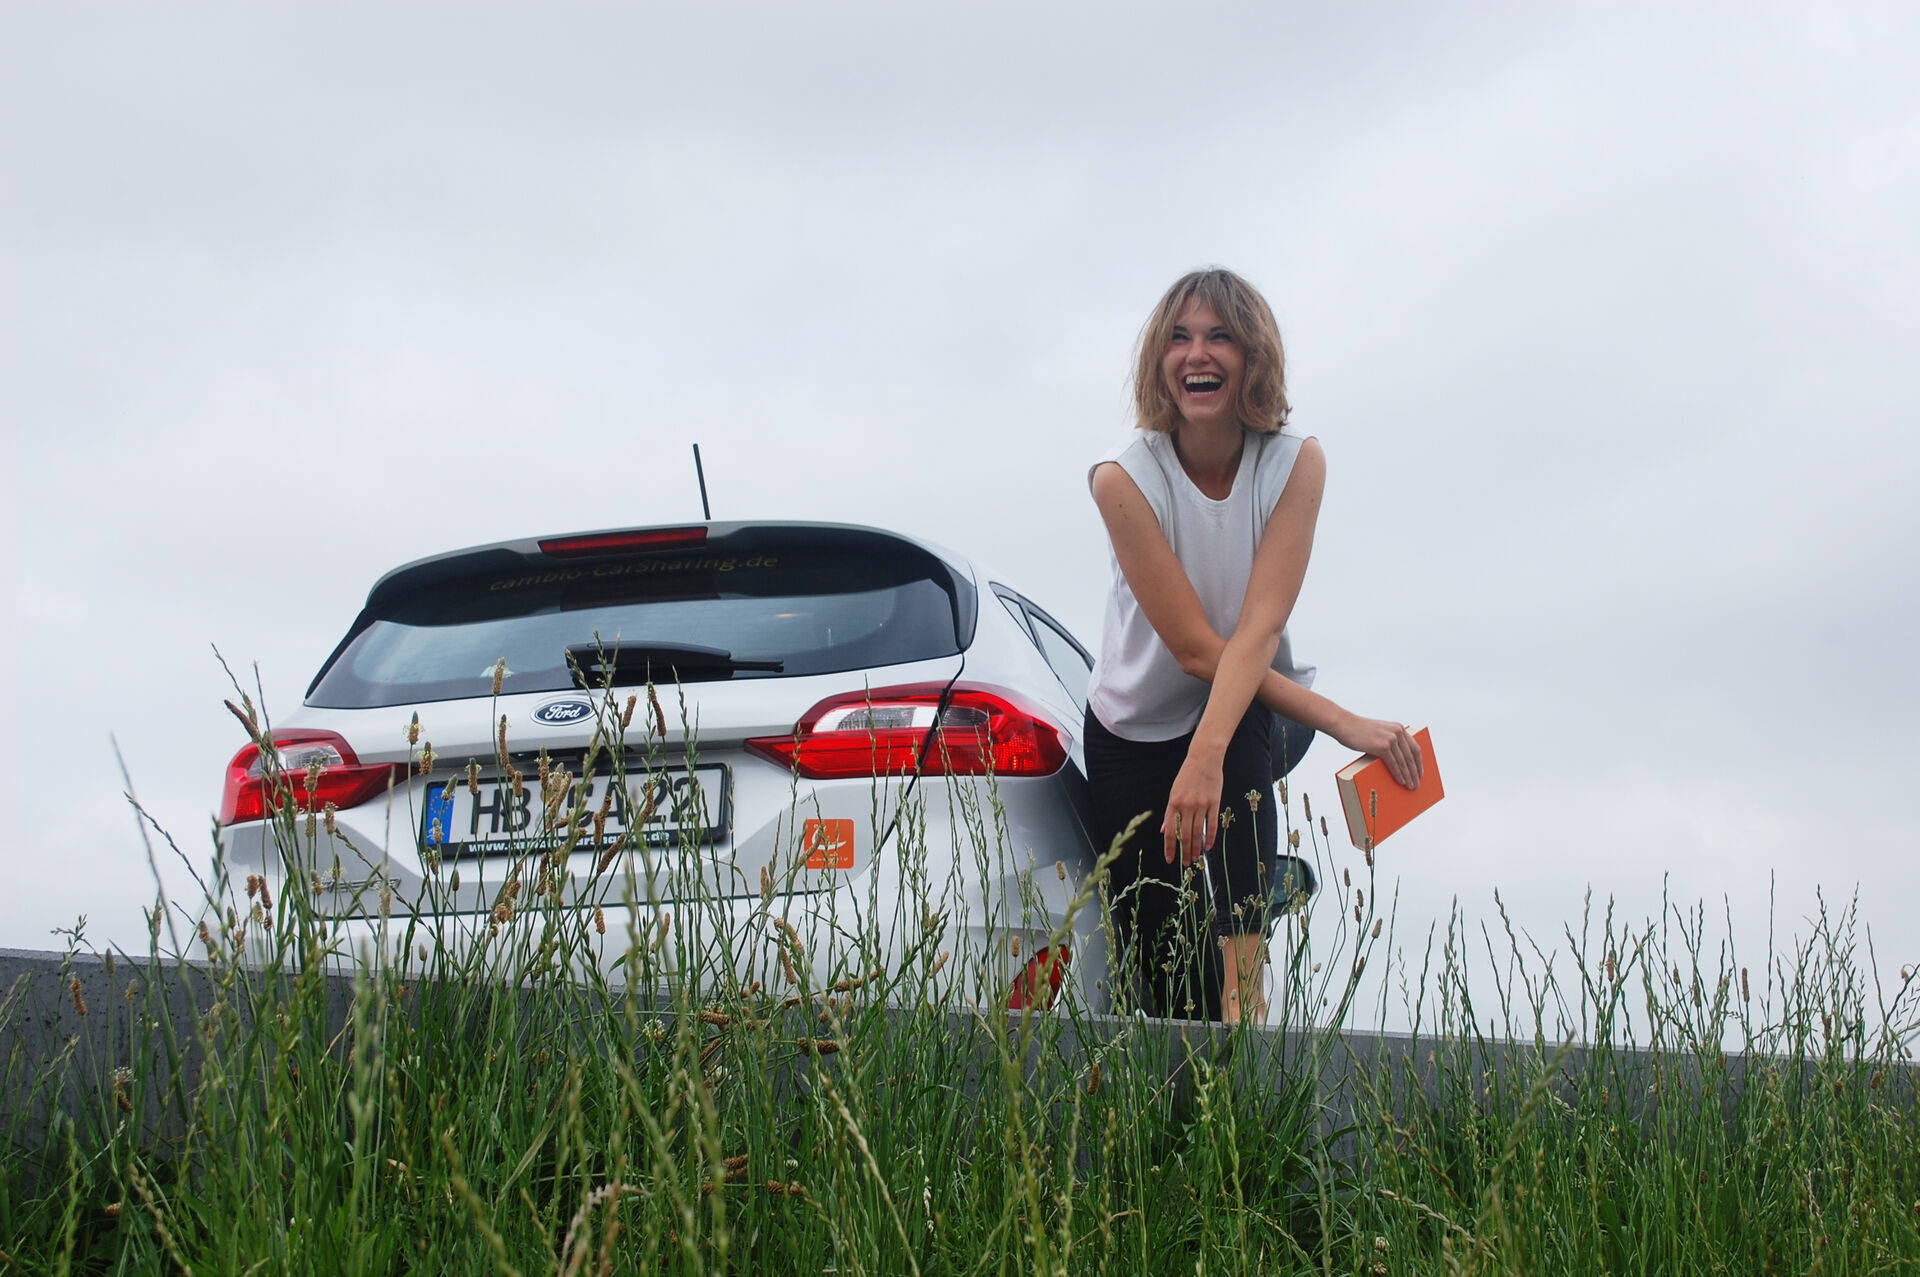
[{"x": 1203, "y": 366}]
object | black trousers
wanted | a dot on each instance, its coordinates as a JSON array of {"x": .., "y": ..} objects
[{"x": 1168, "y": 921}]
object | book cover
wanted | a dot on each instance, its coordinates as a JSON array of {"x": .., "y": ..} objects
[{"x": 1376, "y": 804}]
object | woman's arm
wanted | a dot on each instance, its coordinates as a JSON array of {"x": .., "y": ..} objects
[
  {"x": 1377, "y": 736},
  {"x": 1279, "y": 567}
]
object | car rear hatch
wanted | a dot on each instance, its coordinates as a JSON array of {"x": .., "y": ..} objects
[{"x": 628, "y": 676}]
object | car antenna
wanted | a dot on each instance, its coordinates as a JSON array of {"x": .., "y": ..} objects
[{"x": 700, "y": 473}]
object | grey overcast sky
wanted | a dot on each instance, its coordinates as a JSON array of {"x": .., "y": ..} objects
[{"x": 1605, "y": 316}]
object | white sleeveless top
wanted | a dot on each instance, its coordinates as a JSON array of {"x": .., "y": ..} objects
[{"x": 1138, "y": 691}]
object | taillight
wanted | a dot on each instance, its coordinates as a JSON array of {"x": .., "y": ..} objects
[
  {"x": 896, "y": 731},
  {"x": 252, "y": 793},
  {"x": 1039, "y": 984}
]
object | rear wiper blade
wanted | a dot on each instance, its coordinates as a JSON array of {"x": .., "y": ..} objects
[{"x": 658, "y": 663}]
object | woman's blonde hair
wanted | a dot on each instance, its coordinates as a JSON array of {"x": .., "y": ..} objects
[{"x": 1262, "y": 402}]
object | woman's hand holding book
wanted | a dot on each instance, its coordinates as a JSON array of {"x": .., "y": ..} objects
[{"x": 1391, "y": 742}]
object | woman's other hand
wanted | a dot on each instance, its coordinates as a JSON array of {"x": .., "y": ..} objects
[
  {"x": 1386, "y": 740},
  {"x": 1193, "y": 810}
]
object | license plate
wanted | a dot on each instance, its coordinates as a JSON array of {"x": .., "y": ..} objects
[{"x": 659, "y": 808}]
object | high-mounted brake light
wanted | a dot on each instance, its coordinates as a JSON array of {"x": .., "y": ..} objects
[
  {"x": 615, "y": 542},
  {"x": 897, "y": 731},
  {"x": 253, "y": 791}
]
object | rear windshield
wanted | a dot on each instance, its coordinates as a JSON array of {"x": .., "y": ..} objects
[{"x": 809, "y": 609}]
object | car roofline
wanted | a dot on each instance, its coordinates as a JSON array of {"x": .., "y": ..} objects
[{"x": 431, "y": 567}]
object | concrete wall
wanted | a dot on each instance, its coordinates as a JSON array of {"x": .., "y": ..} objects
[{"x": 88, "y": 1014}]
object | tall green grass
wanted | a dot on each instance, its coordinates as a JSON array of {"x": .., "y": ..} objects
[{"x": 523, "y": 1091}]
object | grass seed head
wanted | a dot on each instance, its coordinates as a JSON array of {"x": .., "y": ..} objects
[
  {"x": 1306, "y": 805},
  {"x": 79, "y": 1002},
  {"x": 413, "y": 730},
  {"x": 499, "y": 678},
  {"x": 599, "y": 920},
  {"x": 1253, "y": 801}
]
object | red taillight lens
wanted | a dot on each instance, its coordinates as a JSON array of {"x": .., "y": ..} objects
[
  {"x": 252, "y": 792},
  {"x": 1039, "y": 984},
  {"x": 616, "y": 542},
  {"x": 896, "y": 731}
]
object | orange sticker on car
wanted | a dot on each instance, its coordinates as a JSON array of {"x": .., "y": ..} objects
[{"x": 827, "y": 844}]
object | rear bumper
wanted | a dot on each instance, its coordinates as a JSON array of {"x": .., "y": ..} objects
[{"x": 963, "y": 889}]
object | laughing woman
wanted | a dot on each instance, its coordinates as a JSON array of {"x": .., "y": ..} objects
[{"x": 1197, "y": 703}]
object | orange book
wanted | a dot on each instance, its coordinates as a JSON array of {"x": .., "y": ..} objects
[{"x": 1376, "y": 804}]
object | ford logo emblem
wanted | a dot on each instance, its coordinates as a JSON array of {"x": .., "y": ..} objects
[{"x": 563, "y": 711}]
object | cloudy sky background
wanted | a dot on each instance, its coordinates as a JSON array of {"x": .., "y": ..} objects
[{"x": 1606, "y": 318}]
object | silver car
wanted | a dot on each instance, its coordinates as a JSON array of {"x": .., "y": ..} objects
[{"x": 792, "y": 753}]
